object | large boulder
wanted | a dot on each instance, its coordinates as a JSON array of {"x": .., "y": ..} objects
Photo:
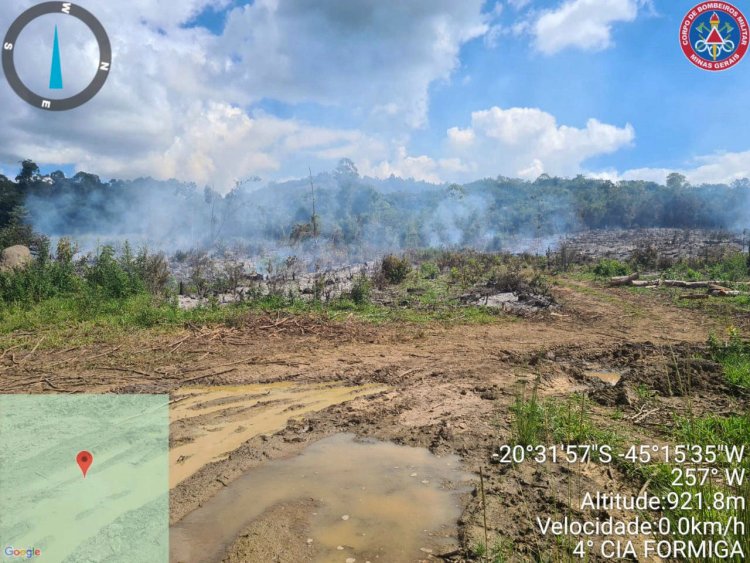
[{"x": 15, "y": 257}]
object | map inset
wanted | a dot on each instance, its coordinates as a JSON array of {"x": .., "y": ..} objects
[{"x": 118, "y": 512}]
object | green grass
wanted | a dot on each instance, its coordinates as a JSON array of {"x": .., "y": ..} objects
[
  {"x": 717, "y": 307},
  {"x": 529, "y": 424},
  {"x": 737, "y": 369},
  {"x": 82, "y": 319},
  {"x": 732, "y": 267},
  {"x": 103, "y": 296},
  {"x": 501, "y": 551},
  {"x": 556, "y": 421},
  {"x": 708, "y": 430},
  {"x": 340, "y": 309},
  {"x": 733, "y": 353},
  {"x": 713, "y": 429},
  {"x": 568, "y": 422},
  {"x": 601, "y": 294},
  {"x": 70, "y": 321}
]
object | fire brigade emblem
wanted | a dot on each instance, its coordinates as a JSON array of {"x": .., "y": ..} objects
[{"x": 714, "y": 36}]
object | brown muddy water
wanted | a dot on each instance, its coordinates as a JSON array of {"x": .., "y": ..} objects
[
  {"x": 375, "y": 501},
  {"x": 611, "y": 377}
]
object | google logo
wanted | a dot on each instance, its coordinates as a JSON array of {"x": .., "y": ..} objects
[{"x": 25, "y": 553}]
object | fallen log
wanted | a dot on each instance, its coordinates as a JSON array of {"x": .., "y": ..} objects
[
  {"x": 716, "y": 287},
  {"x": 633, "y": 280},
  {"x": 688, "y": 284},
  {"x": 623, "y": 280},
  {"x": 719, "y": 291}
]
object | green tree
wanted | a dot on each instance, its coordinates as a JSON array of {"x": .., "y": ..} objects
[
  {"x": 29, "y": 170},
  {"x": 676, "y": 181}
]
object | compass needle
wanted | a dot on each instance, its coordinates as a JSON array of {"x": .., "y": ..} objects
[{"x": 55, "y": 77}]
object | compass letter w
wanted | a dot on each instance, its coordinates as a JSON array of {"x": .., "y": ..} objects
[{"x": 66, "y": 7}]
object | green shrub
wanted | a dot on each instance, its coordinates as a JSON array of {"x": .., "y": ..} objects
[
  {"x": 429, "y": 271},
  {"x": 109, "y": 277},
  {"x": 361, "y": 289},
  {"x": 733, "y": 267},
  {"x": 683, "y": 271},
  {"x": 42, "y": 279},
  {"x": 608, "y": 268},
  {"x": 395, "y": 269},
  {"x": 103, "y": 276}
]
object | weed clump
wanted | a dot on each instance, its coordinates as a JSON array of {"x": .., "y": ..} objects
[
  {"x": 608, "y": 268},
  {"x": 733, "y": 354},
  {"x": 394, "y": 269},
  {"x": 429, "y": 271},
  {"x": 360, "y": 292}
]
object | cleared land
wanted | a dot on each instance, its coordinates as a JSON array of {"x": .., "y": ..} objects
[{"x": 269, "y": 383}]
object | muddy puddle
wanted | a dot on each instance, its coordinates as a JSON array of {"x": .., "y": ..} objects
[
  {"x": 606, "y": 376},
  {"x": 373, "y": 501},
  {"x": 207, "y": 423}
]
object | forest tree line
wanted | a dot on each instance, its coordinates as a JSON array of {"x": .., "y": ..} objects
[{"x": 343, "y": 208}]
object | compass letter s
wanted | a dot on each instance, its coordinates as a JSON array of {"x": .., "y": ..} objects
[{"x": 8, "y": 46}]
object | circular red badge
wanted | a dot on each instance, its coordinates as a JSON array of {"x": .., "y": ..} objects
[{"x": 714, "y": 36}]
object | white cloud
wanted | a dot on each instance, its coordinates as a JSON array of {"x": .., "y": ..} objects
[
  {"x": 217, "y": 144},
  {"x": 583, "y": 24},
  {"x": 422, "y": 167},
  {"x": 528, "y": 141},
  {"x": 176, "y": 101},
  {"x": 721, "y": 168},
  {"x": 516, "y": 142},
  {"x": 365, "y": 54},
  {"x": 461, "y": 137}
]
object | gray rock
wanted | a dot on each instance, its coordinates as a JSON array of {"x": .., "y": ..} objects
[{"x": 15, "y": 257}]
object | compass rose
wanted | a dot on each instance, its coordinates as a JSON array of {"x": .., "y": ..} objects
[{"x": 60, "y": 9}]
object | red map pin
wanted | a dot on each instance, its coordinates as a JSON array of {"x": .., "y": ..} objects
[{"x": 84, "y": 460}]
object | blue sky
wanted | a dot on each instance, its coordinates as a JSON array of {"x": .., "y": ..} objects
[{"x": 216, "y": 90}]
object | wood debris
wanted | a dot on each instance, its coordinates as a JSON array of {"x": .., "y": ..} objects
[{"x": 715, "y": 289}]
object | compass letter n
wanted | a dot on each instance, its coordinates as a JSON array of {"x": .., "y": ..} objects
[{"x": 66, "y": 8}]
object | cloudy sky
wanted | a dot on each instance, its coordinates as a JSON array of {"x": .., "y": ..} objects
[{"x": 213, "y": 91}]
